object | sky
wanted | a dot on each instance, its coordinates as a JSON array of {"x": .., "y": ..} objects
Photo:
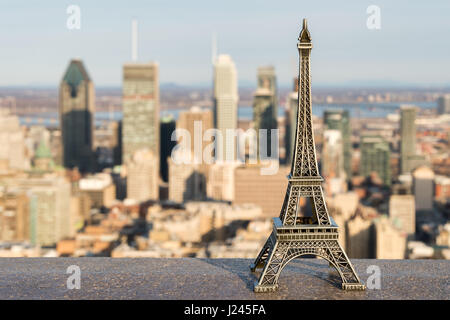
[{"x": 412, "y": 47}]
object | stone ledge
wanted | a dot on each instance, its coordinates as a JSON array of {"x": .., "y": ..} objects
[{"x": 147, "y": 278}]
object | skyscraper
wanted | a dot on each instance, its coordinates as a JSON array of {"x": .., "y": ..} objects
[
  {"x": 196, "y": 122},
  {"x": 268, "y": 79},
  {"x": 188, "y": 120},
  {"x": 265, "y": 103},
  {"x": 408, "y": 137},
  {"x": 332, "y": 155},
  {"x": 50, "y": 219},
  {"x": 423, "y": 187},
  {"x": 142, "y": 178},
  {"x": 340, "y": 120},
  {"x": 333, "y": 162},
  {"x": 225, "y": 100},
  {"x": 12, "y": 142},
  {"x": 444, "y": 104},
  {"x": 375, "y": 157},
  {"x": 140, "y": 124},
  {"x": 76, "y": 111}
]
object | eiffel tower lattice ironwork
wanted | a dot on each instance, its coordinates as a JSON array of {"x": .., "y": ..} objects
[{"x": 294, "y": 235}]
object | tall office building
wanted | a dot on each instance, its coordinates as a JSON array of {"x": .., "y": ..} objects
[
  {"x": 423, "y": 188},
  {"x": 142, "y": 176},
  {"x": 268, "y": 79},
  {"x": 375, "y": 157},
  {"x": 226, "y": 98},
  {"x": 444, "y": 104},
  {"x": 408, "y": 137},
  {"x": 402, "y": 209},
  {"x": 140, "y": 124},
  {"x": 332, "y": 155},
  {"x": 333, "y": 162},
  {"x": 50, "y": 216},
  {"x": 340, "y": 120},
  {"x": 12, "y": 142},
  {"x": 196, "y": 122},
  {"x": 196, "y": 119},
  {"x": 265, "y": 104},
  {"x": 76, "y": 111}
]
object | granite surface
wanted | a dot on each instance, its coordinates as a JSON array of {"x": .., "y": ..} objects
[{"x": 107, "y": 278}]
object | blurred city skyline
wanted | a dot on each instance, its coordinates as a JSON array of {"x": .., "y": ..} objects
[
  {"x": 36, "y": 44},
  {"x": 91, "y": 144}
]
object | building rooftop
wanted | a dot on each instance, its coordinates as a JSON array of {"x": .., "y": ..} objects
[
  {"x": 189, "y": 278},
  {"x": 75, "y": 73}
]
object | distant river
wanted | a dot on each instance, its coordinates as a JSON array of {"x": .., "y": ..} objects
[{"x": 356, "y": 110}]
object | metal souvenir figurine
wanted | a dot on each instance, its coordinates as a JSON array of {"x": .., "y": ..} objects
[{"x": 294, "y": 235}]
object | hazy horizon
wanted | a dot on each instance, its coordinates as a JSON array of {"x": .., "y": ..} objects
[{"x": 407, "y": 51}]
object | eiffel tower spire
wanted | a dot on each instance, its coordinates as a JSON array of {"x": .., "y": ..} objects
[
  {"x": 295, "y": 235},
  {"x": 304, "y": 163}
]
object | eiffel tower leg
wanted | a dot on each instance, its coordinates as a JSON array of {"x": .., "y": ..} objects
[
  {"x": 268, "y": 281},
  {"x": 263, "y": 254},
  {"x": 337, "y": 256}
]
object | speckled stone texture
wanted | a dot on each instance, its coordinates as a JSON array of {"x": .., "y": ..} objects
[{"x": 107, "y": 278}]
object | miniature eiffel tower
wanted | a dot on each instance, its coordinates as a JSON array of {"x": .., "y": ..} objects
[{"x": 294, "y": 235}]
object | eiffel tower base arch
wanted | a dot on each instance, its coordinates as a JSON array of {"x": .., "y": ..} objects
[{"x": 282, "y": 247}]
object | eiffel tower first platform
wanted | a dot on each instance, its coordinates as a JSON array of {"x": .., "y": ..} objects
[{"x": 294, "y": 235}]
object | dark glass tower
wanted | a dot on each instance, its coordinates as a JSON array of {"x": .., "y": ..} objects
[
  {"x": 340, "y": 120},
  {"x": 76, "y": 110},
  {"x": 375, "y": 157},
  {"x": 265, "y": 103},
  {"x": 167, "y": 127}
]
